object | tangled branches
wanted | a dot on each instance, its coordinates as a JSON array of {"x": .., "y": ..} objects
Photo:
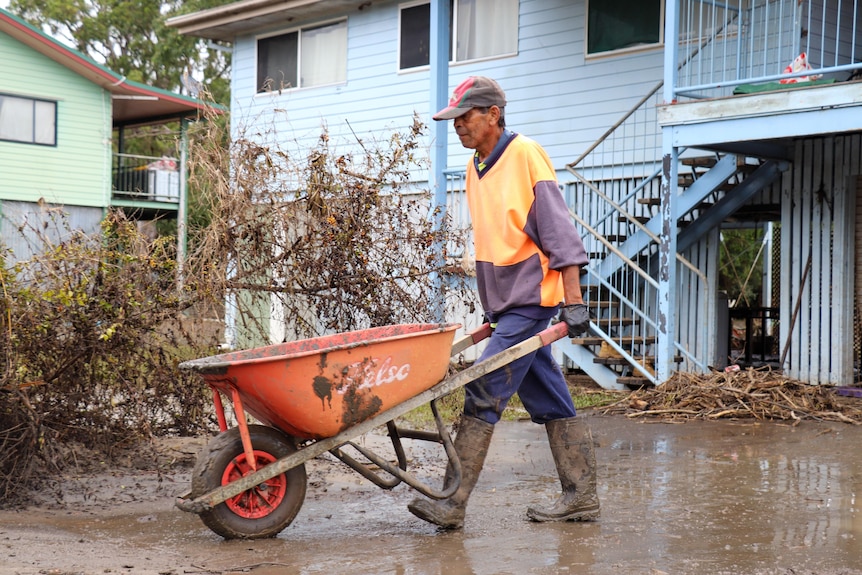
[
  {"x": 327, "y": 241},
  {"x": 751, "y": 393},
  {"x": 91, "y": 328}
]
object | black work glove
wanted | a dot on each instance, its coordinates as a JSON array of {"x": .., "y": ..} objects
[{"x": 577, "y": 318}]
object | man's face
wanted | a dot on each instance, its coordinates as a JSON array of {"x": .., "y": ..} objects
[{"x": 477, "y": 128}]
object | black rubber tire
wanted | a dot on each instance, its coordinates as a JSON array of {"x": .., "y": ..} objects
[{"x": 247, "y": 519}]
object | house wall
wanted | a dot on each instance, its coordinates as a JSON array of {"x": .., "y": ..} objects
[
  {"x": 555, "y": 94},
  {"x": 77, "y": 170},
  {"x": 818, "y": 222},
  {"x": 28, "y": 228}
]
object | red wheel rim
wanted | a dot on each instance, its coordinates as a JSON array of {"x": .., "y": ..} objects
[{"x": 260, "y": 500}]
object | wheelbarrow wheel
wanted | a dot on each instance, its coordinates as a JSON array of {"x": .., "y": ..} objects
[{"x": 262, "y": 511}]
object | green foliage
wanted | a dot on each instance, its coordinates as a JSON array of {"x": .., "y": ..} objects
[
  {"x": 130, "y": 38},
  {"x": 741, "y": 266}
]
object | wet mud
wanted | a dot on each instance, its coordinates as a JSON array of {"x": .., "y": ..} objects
[{"x": 699, "y": 497}]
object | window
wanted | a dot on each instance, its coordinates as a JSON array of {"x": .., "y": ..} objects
[
  {"x": 415, "y": 34},
  {"x": 620, "y": 24},
  {"x": 478, "y": 29},
  {"x": 303, "y": 58},
  {"x": 28, "y": 120}
]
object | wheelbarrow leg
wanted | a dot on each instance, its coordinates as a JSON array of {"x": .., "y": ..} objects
[
  {"x": 399, "y": 472},
  {"x": 242, "y": 423}
]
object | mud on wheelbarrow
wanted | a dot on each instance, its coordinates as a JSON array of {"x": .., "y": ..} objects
[{"x": 314, "y": 396}]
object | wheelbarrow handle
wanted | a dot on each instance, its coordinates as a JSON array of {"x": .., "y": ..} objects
[
  {"x": 549, "y": 335},
  {"x": 557, "y": 331},
  {"x": 471, "y": 339}
]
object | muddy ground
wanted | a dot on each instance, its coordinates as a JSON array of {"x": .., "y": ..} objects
[{"x": 730, "y": 497}]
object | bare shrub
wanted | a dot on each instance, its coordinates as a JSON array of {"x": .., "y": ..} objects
[
  {"x": 91, "y": 332},
  {"x": 327, "y": 240}
]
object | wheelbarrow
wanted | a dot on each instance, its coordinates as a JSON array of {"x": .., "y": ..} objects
[{"x": 314, "y": 396}]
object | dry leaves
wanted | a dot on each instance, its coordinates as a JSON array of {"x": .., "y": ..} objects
[{"x": 751, "y": 394}]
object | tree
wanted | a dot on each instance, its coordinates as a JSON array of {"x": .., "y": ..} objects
[
  {"x": 130, "y": 38},
  {"x": 741, "y": 266}
]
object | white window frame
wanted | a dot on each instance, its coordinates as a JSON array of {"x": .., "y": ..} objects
[
  {"x": 260, "y": 91},
  {"x": 453, "y": 48},
  {"x": 43, "y": 129},
  {"x": 627, "y": 50}
]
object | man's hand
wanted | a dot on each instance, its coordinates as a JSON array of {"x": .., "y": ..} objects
[{"x": 577, "y": 318}]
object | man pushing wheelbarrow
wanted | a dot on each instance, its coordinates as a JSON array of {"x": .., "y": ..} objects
[
  {"x": 528, "y": 261},
  {"x": 313, "y": 396}
]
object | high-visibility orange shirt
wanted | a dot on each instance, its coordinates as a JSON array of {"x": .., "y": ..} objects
[{"x": 522, "y": 230}]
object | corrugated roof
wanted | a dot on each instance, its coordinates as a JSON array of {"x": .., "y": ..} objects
[{"x": 249, "y": 16}]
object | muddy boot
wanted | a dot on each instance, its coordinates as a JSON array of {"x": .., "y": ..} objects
[
  {"x": 575, "y": 458},
  {"x": 471, "y": 445}
]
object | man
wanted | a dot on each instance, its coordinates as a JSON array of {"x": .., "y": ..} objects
[{"x": 528, "y": 260}]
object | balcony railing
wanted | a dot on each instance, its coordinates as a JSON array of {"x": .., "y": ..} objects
[
  {"x": 146, "y": 178},
  {"x": 729, "y": 43}
]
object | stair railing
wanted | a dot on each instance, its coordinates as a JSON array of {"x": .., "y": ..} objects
[{"x": 610, "y": 193}]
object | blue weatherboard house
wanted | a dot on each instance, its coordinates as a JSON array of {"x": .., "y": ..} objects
[{"x": 668, "y": 122}]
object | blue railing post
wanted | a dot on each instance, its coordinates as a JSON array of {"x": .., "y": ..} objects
[
  {"x": 439, "y": 90},
  {"x": 667, "y": 276}
]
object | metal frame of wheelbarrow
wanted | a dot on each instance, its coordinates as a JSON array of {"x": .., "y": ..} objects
[{"x": 332, "y": 444}]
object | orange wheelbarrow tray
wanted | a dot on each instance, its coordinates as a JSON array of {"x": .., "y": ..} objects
[{"x": 313, "y": 396}]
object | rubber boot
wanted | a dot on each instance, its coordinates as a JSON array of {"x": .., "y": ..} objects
[
  {"x": 575, "y": 458},
  {"x": 471, "y": 445}
]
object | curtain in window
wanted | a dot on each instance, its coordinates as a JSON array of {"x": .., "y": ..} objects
[
  {"x": 617, "y": 24},
  {"x": 486, "y": 28},
  {"x": 324, "y": 55},
  {"x": 276, "y": 62},
  {"x": 16, "y": 119},
  {"x": 46, "y": 118}
]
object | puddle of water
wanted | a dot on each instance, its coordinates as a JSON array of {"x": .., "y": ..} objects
[
  {"x": 746, "y": 500},
  {"x": 721, "y": 498}
]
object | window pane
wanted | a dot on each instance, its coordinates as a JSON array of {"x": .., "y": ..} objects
[
  {"x": 415, "y": 36},
  {"x": 617, "y": 24},
  {"x": 486, "y": 28},
  {"x": 324, "y": 55},
  {"x": 16, "y": 119},
  {"x": 277, "y": 62},
  {"x": 46, "y": 120}
]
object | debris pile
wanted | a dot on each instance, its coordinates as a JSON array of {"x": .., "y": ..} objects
[{"x": 750, "y": 394}]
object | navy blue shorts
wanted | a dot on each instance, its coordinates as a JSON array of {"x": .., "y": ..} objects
[{"x": 536, "y": 378}]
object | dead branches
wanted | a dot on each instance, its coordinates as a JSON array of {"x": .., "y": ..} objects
[
  {"x": 749, "y": 394},
  {"x": 334, "y": 238},
  {"x": 92, "y": 328}
]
